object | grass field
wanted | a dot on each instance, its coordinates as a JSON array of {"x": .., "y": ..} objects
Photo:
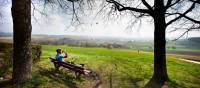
[{"x": 115, "y": 67}]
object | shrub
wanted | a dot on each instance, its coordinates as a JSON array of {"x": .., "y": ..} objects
[
  {"x": 36, "y": 53},
  {"x": 6, "y": 59},
  {"x": 173, "y": 47}
]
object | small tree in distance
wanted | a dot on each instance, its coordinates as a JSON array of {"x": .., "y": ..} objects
[{"x": 164, "y": 13}]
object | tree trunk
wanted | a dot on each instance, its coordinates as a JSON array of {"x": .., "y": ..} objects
[
  {"x": 160, "y": 69},
  {"x": 22, "y": 61}
]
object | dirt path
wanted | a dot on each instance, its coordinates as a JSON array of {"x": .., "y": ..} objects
[
  {"x": 196, "y": 62},
  {"x": 193, "y": 58}
]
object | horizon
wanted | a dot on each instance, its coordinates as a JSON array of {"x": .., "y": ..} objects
[{"x": 10, "y": 34}]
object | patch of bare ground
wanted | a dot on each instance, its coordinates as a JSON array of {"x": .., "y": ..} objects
[
  {"x": 94, "y": 81},
  {"x": 6, "y": 40},
  {"x": 187, "y": 56},
  {"x": 187, "y": 53}
]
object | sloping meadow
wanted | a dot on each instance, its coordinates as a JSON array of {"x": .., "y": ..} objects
[{"x": 120, "y": 68}]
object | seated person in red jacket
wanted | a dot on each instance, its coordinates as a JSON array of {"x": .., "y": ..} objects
[{"x": 60, "y": 55}]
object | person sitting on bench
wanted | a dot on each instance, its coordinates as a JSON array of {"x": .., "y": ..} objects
[{"x": 60, "y": 55}]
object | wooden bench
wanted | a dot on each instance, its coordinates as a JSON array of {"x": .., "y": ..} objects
[{"x": 77, "y": 68}]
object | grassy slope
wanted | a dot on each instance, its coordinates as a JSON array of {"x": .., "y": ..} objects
[{"x": 126, "y": 69}]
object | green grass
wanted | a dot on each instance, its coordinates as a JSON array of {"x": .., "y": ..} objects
[
  {"x": 171, "y": 46},
  {"x": 122, "y": 68}
]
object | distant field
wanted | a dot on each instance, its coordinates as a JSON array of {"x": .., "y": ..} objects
[
  {"x": 185, "y": 49},
  {"x": 171, "y": 47},
  {"x": 6, "y": 40},
  {"x": 182, "y": 46}
]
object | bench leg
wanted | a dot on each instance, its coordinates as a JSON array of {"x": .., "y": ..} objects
[
  {"x": 56, "y": 66},
  {"x": 78, "y": 75}
]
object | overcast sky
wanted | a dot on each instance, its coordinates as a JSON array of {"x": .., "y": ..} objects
[{"x": 57, "y": 23}]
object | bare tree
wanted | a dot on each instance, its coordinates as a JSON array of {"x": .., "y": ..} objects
[
  {"x": 22, "y": 28},
  {"x": 165, "y": 14}
]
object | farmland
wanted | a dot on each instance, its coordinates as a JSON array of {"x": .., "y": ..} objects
[{"x": 115, "y": 67}]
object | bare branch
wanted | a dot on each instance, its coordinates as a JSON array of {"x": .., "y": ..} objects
[
  {"x": 182, "y": 15},
  {"x": 147, "y": 5},
  {"x": 193, "y": 27},
  {"x": 195, "y": 1},
  {"x": 193, "y": 20},
  {"x": 120, "y": 7},
  {"x": 170, "y": 4},
  {"x": 181, "y": 35},
  {"x": 74, "y": 13}
]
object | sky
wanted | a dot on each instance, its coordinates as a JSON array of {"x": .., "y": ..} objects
[{"x": 58, "y": 23}]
